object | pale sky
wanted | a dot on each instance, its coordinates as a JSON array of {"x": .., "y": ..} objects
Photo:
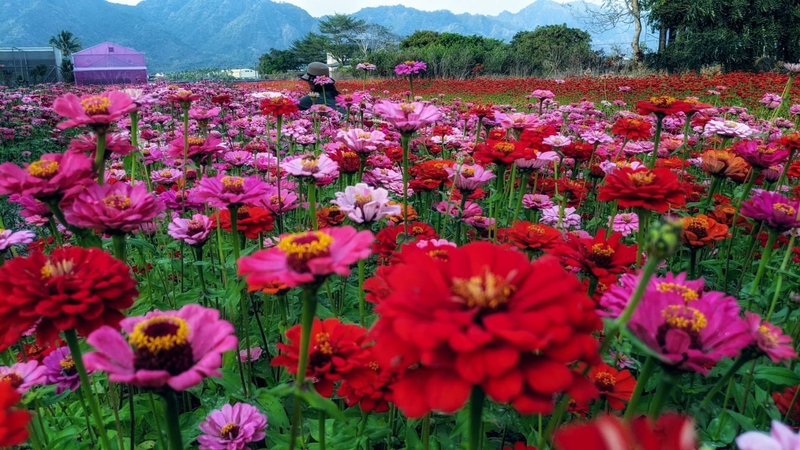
[{"x": 319, "y": 8}]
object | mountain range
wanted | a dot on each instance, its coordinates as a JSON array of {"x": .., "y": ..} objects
[{"x": 187, "y": 34}]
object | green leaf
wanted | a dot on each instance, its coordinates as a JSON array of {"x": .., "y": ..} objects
[
  {"x": 274, "y": 408},
  {"x": 316, "y": 401},
  {"x": 780, "y": 376}
]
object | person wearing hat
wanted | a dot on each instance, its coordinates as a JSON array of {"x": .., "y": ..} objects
[{"x": 314, "y": 70}]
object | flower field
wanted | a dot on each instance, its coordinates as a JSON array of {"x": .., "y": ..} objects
[{"x": 591, "y": 263}]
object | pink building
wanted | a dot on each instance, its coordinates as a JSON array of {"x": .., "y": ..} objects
[{"x": 109, "y": 63}]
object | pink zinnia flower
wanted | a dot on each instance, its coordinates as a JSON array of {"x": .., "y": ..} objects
[
  {"x": 688, "y": 336},
  {"x": 307, "y": 257},
  {"x": 480, "y": 222},
  {"x": 166, "y": 176},
  {"x": 536, "y": 201},
  {"x": 194, "y": 231},
  {"x": 727, "y": 128},
  {"x": 311, "y": 166},
  {"x": 60, "y": 369},
  {"x": 625, "y": 223},
  {"x": 569, "y": 218},
  {"x": 543, "y": 94},
  {"x": 776, "y": 211},
  {"x": 365, "y": 204},
  {"x": 201, "y": 113},
  {"x": 517, "y": 121},
  {"x": 770, "y": 339},
  {"x": 410, "y": 68},
  {"x": 407, "y": 117},
  {"x": 24, "y": 375},
  {"x": 224, "y": 191},
  {"x": 762, "y": 156},
  {"x": 10, "y": 237},
  {"x": 781, "y": 437},
  {"x": 254, "y": 354},
  {"x": 115, "y": 143},
  {"x": 279, "y": 202},
  {"x": 113, "y": 208},
  {"x": 238, "y": 158},
  {"x": 770, "y": 100},
  {"x": 199, "y": 148},
  {"x": 468, "y": 178},
  {"x": 361, "y": 141},
  {"x": 52, "y": 177},
  {"x": 95, "y": 110},
  {"x": 173, "y": 348},
  {"x": 452, "y": 209},
  {"x": 366, "y": 66},
  {"x": 232, "y": 428},
  {"x": 557, "y": 140}
]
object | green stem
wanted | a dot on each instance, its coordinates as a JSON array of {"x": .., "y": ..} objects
[
  {"x": 173, "y": 424},
  {"x": 460, "y": 221},
  {"x": 309, "y": 298},
  {"x": 779, "y": 281},
  {"x": 722, "y": 381},
  {"x": 312, "y": 203},
  {"x": 593, "y": 280},
  {"x": 665, "y": 386},
  {"x": 361, "y": 299},
  {"x": 762, "y": 265},
  {"x": 555, "y": 420},
  {"x": 476, "y": 400},
  {"x": 644, "y": 217},
  {"x": 100, "y": 158},
  {"x": 426, "y": 432},
  {"x": 711, "y": 191},
  {"x": 722, "y": 415},
  {"x": 120, "y": 249},
  {"x": 75, "y": 350},
  {"x": 159, "y": 430},
  {"x": 642, "y": 380}
]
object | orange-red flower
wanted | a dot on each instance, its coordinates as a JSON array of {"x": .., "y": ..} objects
[
  {"x": 656, "y": 190},
  {"x": 370, "y": 387},
  {"x": 632, "y": 128},
  {"x": 250, "y": 220},
  {"x": 662, "y": 105},
  {"x": 498, "y": 152},
  {"x": 13, "y": 421},
  {"x": 328, "y": 217},
  {"x": 671, "y": 432},
  {"x": 278, "y": 106},
  {"x": 615, "y": 386},
  {"x": 531, "y": 236},
  {"x": 597, "y": 256},
  {"x": 701, "y": 231},
  {"x": 722, "y": 163}
]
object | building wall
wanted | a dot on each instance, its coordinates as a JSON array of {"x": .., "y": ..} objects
[{"x": 20, "y": 64}]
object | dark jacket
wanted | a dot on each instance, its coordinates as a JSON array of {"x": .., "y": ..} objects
[{"x": 307, "y": 102}]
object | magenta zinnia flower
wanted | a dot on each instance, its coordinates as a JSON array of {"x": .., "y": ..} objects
[
  {"x": 688, "y": 336},
  {"x": 24, "y": 375},
  {"x": 199, "y": 148},
  {"x": 361, "y": 141},
  {"x": 95, "y": 110},
  {"x": 762, "y": 156},
  {"x": 769, "y": 339},
  {"x": 279, "y": 202},
  {"x": 173, "y": 348},
  {"x": 307, "y": 257},
  {"x": 232, "y": 428},
  {"x": 365, "y": 204},
  {"x": 469, "y": 177},
  {"x": 115, "y": 143},
  {"x": 113, "y": 208},
  {"x": 53, "y": 177},
  {"x": 166, "y": 176},
  {"x": 224, "y": 191},
  {"x": 776, "y": 211},
  {"x": 194, "y": 231},
  {"x": 410, "y": 68},
  {"x": 319, "y": 167},
  {"x": 407, "y": 117},
  {"x": 60, "y": 369},
  {"x": 201, "y": 113},
  {"x": 10, "y": 237}
]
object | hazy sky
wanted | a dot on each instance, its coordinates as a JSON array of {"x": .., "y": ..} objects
[{"x": 320, "y": 8}]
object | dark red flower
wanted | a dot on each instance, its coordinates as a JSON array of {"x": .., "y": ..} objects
[
  {"x": 250, "y": 220},
  {"x": 486, "y": 317},
  {"x": 73, "y": 288},
  {"x": 632, "y": 128},
  {"x": 663, "y": 105},
  {"x": 656, "y": 190},
  {"x": 369, "y": 386},
  {"x": 328, "y": 217},
  {"x": 38, "y": 352},
  {"x": 386, "y": 239},
  {"x": 520, "y": 446},
  {"x": 671, "y": 432},
  {"x": 530, "y": 236},
  {"x": 784, "y": 398},
  {"x": 13, "y": 421},
  {"x": 597, "y": 256},
  {"x": 334, "y": 350}
]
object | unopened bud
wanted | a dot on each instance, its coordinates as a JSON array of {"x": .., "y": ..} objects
[{"x": 664, "y": 239}]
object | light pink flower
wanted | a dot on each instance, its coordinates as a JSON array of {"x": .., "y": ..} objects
[
  {"x": 557, "y": 140},
  {"x": 468, "y": 178},
  {"x": 200, "y": 113},
  {"x": 781, "y": 437},
  {"x": 361, "y": 141},
  {"x": 517, "y": 121},
  {"x": 452, "y": 209},
  {"x": 254, "y": 352},
  {"x": 24, "y": 375},
  {"x": 194, "y": 231},
  {"x": 10, "y": 237},
  {"x": 232, "y": 428},
  {"x": 113, "y": 208},
  {"x": 95, "y": 110},
  {"x": 115, "y": 143},
  {"x": 52, "y": 177},
  {"x": 279, "y": 202},
  {"x": 536, "y": 201},
  {"x": 311, "y": 166},
  {"x": 726, "y": 128},
  {"x": 166, "y": 176},
  {"x": 407, "y": 117},
  {"x": 307, "y": 257},
  {"x": 172, "y": 348},
  {"x": 223, "y": 191},
  {"x": 238, "y": 158},
  {"x": 625, "y": 223},
  {"x": 365, "y": 204}
]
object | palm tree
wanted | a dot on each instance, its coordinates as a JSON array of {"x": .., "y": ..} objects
[{"x": 66, "y": 42}]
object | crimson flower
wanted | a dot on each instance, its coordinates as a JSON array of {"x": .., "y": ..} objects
[
  {"x": 250, "y": 220},
  {"x": 531, "y": 236},
  {"x": 73, "y": 288},
  {"x": 671, "y": 432},
  {"x": 386, "y": 239},
  {"x": 13, "y": 421},
  {"x": 597, "y": 256},
  {"x": 656, "y": 190},
  {"x": 370, "y": 387},
  {"x": 633, "y": 128},
  {"x": 334, "y": 350},
  {"x": 278, "y": 105},
  {"x": 663, "y": 105},
  {"x": 487, "y": 317}
]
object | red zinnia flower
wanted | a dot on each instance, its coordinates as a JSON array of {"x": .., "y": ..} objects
[
  {"x": 73, "y": 288},
  {"x": 369, "y": 386},
  {"x": 13, "y": 421},
  {"x": 784, "y": 398},
  {"x": 250, "y": 220},
  {"x": 656, "y": 190},
  {"x": 615, "y": 386},
  {"x": 499, "y": 152},
  {"x": 671, "y": 432},
  {"x": 597, "y": 256},
  {"x": 662, "y": 105},
  {"x": 702, "y": 230},
  {"x": 633, "y": 129},
  {"x": 485, "y": 317},
  {"x": 520, "y": 446},
  {"x": 386, "y": 239},
  {"x": 527, "y": 235},
  {"x": 334, "y": 350}
]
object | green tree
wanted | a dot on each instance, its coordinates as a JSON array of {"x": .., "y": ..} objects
[
  {"x": 551, "y": 49},
  {"x": 276, "y": 61},
  {"x": 420, "y": 39},
  {"x": 66, "y": 42},
  {"x": 342, "y": 33},
  {"x": 310, "y": 48}
]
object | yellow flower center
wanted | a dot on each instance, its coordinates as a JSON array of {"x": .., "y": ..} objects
[
  {"x": 605, "y": 381},
  {"x": 770, "y": 339},
  {"x": 363, "y": 135},
  {"x": 601, "y": 254},
  {"x": 642, "y": 178},
  {"x": 57, "y": 269},
  {"x": 96, "y": 105},
  {"x": 407, "y": 108},
  {"x": 117, "y": 201},
  {"x": 698, "y": 226},
  {"x": 487, "y": 291},
  {"x": 160, "y": 334},
  {"x": 194, "y": 140},
  {"x": 536, "y": 229},
  {"x": 785, "y": 208},
  {"x": 504, "y": 147},
  {"x": 323, "y": 343},
  {"x": 44, "y": 169},
  {"x": 233, "y": 185},
  {"x": 67, "y": 363},
  {"x": 685, "y": 318},
  {"x": 687, "y": 294},
  {"x": 362, "y": 200},
  {"x": 373, "y": 365},
  {"x": 468, "y": 172},
  {"x": 662, "y": 101},
  {"x": 310, "y": 165},
  {"x": 303, "y": 247},
  {"x": 229, "y": 431}
]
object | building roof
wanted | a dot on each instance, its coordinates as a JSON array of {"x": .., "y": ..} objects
[{"x": 108, "y": 48}]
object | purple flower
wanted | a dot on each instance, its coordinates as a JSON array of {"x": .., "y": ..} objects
[
  {"x": 770, "y": 100},
  {"x": 776, "y": 211},
  {"x": 410, "y": 68},
  {"x": 760, "y": 155},
  {"x": 570, "y": 217},
  {"x": 232, "y": 428},
  {"x": 625, "y": 223},
  {"x": 24, "y": 375},
  {"x": 366, "y": 66},
  {"x": 365, "y": 204},
  {"x": 322, "y": 80},
  {"x": 9, "y": 238},
  {"x": 194, "y": 231},
  {"x": 239, "y": 158},
  {"x": 60, "y": 369},
  {"x": 279, "y": 202},
  {"x": 468, "y": 178},
  {"x": 113, "y": 208},
  {"x": 781, "y": 437},
  {"x": 223, "y": 191},
  {"x": 536, "y": 201}
]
